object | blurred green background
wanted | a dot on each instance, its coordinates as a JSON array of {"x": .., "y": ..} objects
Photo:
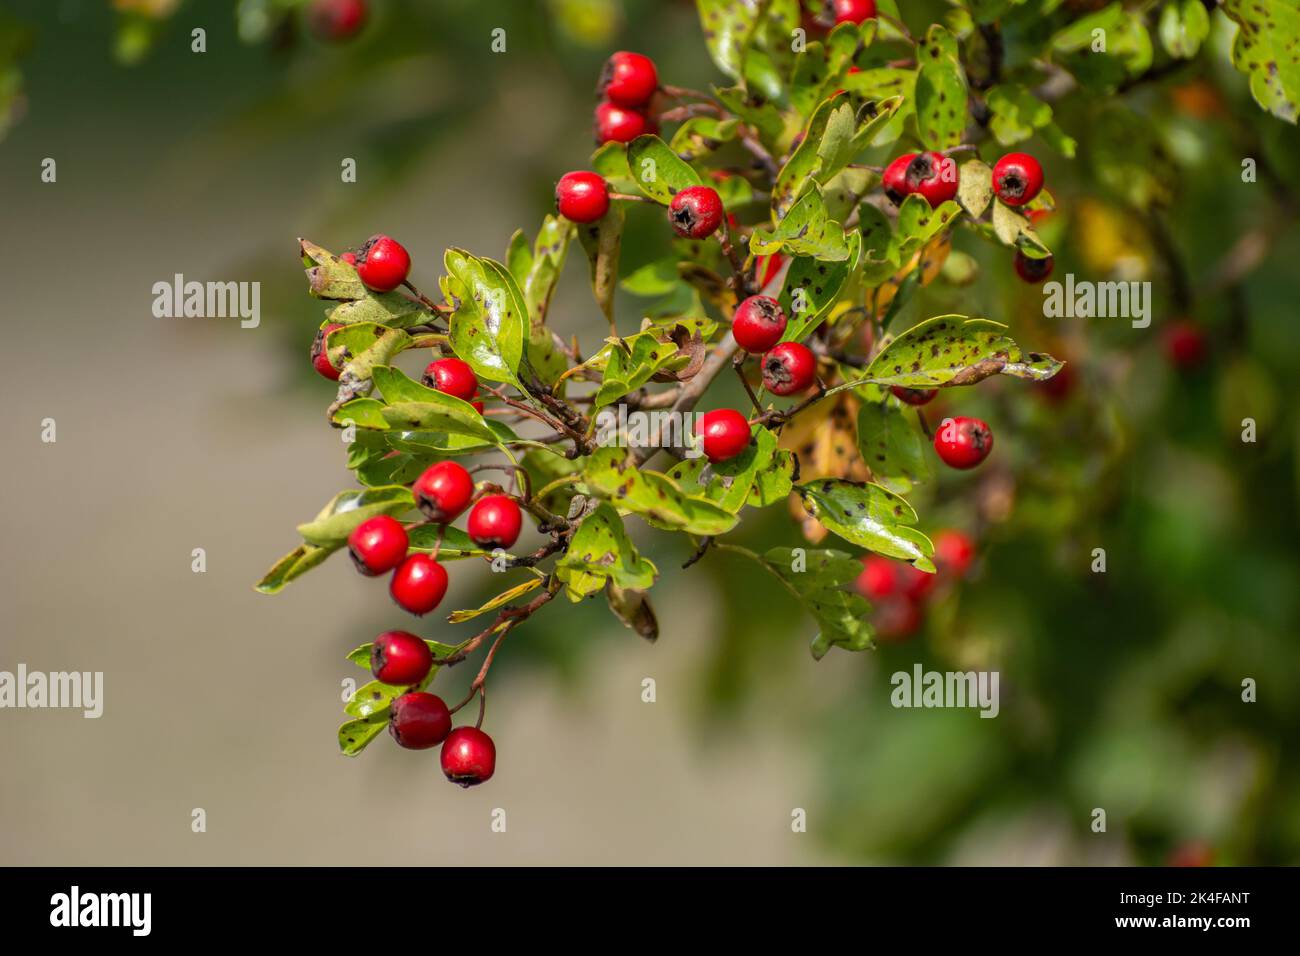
[{"x": 1120, "y": 691}]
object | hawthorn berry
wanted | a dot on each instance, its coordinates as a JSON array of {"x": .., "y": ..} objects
[
  {"x": 453, "y": 377},
  {"x": 878, "y": 578},
  {"x": 853, "y": 11},
  {"x": 896, "y": 618},
  {"x": 581, "y": 196},
  {"x": 383, "y": 263},
  {"x": 758, "y": 324},
  {"x": 400, "y": 658},
  {"x": 933, "y": 175},
  {"x": 914, "y": 396},
  {"x": 628, "y": 79},
  {"x": 915, "y": 583},
  {"x": 320, "y": 359},
  {"x": 788, "y": 368},
  {"x": 725, "y": 434},
  {"x": 1184, "y": 344},
  {"x": 963, "y": 442},
  {"x": 1033, "y": 270},
  {"x": 378, "y": 545},
  {"x": 620, "y": 124},
  {"x": 953, "y": 552},
  {"x": 1017, "y": 179},
  {"x": 336, "y": 20},
  {"x": 494, "y": 522},
  {"x": 418, "y": 584},
  {"x": 419, "y": 720},
  {"x": 468, "y": 756},
  {"x": 695, "y": 212},
  {"x": 443, "y": 491}
]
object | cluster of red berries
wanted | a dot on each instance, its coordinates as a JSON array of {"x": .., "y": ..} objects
[
  {"x": 628, "y": 83},
  {"x": 419, "y": 720},
  {"x": 382, "y": 264},
  {"x": 898, "y": 591}
]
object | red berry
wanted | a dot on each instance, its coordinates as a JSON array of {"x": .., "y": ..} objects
[
  {"x": 418, "y": 584},
  {"x": 1033, "y": 270},
  {"x": 894, "y": 180},
  {"x": 494, "y": 522},
  {"x": 336, "y": 20},
  {"x": 1184, "y": 344},
  {"x": 349, "y": 257},
  {"x": 896, "y": 618},
  {"x": 853, "y": 11},
  {"x": 933, "y": 175},
  {"x": 581, "y": 196},
  {"x": 628, "y": 79},
  {"x": 725, "y": 434},
  {"x": 452, "y": 376},
  {"x": 915, "y": 583},
  {"x": 400, "y": 658},
  {"x": 443, "y": 491},
  {"x": 914, "y": 396},
  {"x": 618, "y": 124},
  {"x": 695, "y": 212},
  {"x": 788, "y": 368},
  {"x": 878, "y": 578},
  {"x": 1017, "y": 178},
  {"x": 377, "y": 545},
  {"x": 758, "y": 323},
  {"x": 953, "y": 552},
  {"x": 468, "y": 757},
  {"x": 963, "y": 442},
  {"x": 418, "y": 720},
  {"x": 383, "y": 264},
  {"x": 320, "y": 359}
]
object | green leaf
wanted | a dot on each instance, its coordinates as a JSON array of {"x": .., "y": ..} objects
[
  {"x": 891, "y": 446},
  {"x": 975, "y": 187},
  {"x": 759, "y": 476},
  {"x": 657, "y": 170},
  {"x": 1265, "y": 49},
  {"x": 505, "y": 597},
  {"x": 297, "y": 562},
  {"x": 754, "y": 111},
  {"x": 816, "y": 578},
  {"x": 804, "y": 231},
  {"x": 355, "y": 735},
  {"x": 362, "y": 412},
  {"x": 1014, "y": 229},
  {"x": 610, "y": 161},
  {"x": 813, "y": 286},
  {"x": 602, "y": 240},
  {"x": 869, "y": 516},
  {"x": 701, "y": 136},
  {"x": 631, "y": 363},
  {"x": 545, "y": 264},
  {"x": 955, "y": 350},
  {"x": 632, "y": 607},
  {"x": 1018, "y": 114},
  {"x": 456, "y": 544},
  {"x": 940, "y": 90},
  {"x": 917, "y": 225},
  {"x": 728, "y": 29},
  {"x": 601, "y": 551},
  {"x": 656, "y": 498},
  {"x": 416, "y": 407},
  {"x": 1127, "y": 47},
  {"x": 329, "y": 277},
  {"x": 349, "y": 508},
  {"x": 488, "y": 329}
]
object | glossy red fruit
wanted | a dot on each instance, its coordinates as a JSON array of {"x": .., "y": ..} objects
[
  {"x": 878, "y": 578},
  {"x": 963, "y": 442},
  {"x": 619, "y": 124},
  {"x": 953, "y": 552},
  {"x": 1032, "y": 270},
  {"x": 443, "y": 491},
  {"x": 336, "y": 20},
  {"x": 1184, "y": 344},
  {"x": 915, "y": 583},
  {"x": 788, "y": 368},
  {"x": 914, "y": 396},
  {"x": 400, "y": 658},
  {"x": 494, "y": 522},
  {"x": 695, "y": 212},
  {"x": 453, "y": 377},
  {"x": 853, "y": 11},
  {"x": 628, "y": 79},
  {"x": 896, "y": 618},
  {"x": 377, "y": 545},
  {"x": 894, "y": 181},
  {"x": 419, "y": 720},
  {"x": 419, "y": 584},
  {"x": 933, "y": 175},
  {"x": 383, "y": 264},
  {"x": 582, "y": 196},
  {"x": 725, "y": 434},
  {"x": 320, "y": 359},
  {"x": 1017, "y": 178},
  {"x": 468, "y": 757},
  {"x": 758, "y": 324}
]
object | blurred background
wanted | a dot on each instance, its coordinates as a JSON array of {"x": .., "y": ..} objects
[{"x": 1120, "y": 690}]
